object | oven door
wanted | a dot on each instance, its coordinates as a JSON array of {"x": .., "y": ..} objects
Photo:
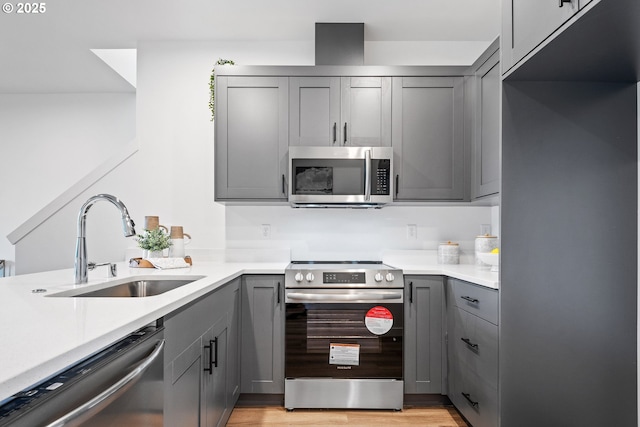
[{"x": 344, "y": 333}]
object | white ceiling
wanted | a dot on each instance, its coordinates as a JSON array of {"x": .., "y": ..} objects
[{"x": 50, "y": 52}]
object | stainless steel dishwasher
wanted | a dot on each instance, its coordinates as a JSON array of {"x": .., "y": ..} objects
[{"x": 121, "y": 385}]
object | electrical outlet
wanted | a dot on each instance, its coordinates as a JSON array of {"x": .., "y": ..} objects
[
  {"x": 265, "y": 231},
  {"x": 412, "y": 231}
]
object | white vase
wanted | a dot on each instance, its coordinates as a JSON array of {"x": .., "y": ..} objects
[{"x": 146, "y": 254}]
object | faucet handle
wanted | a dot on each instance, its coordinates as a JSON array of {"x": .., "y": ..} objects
[{"x": 113, "y": 268}]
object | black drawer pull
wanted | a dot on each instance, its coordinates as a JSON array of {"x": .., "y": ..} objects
[
  {"x": 215, "y": 343},
  {"x": 561, "y": 2},
  {"x": 468, "y": 342},
  {"x": 468, "y": 397},
  {"x": 410, "y": 292},
  {"x": 210, "y": 348},
  {"x": 278, "y": 297},
  {"x": 472, "y": 300}
]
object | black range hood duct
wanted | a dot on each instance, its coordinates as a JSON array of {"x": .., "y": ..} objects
[{"x": 339, "y": 43}]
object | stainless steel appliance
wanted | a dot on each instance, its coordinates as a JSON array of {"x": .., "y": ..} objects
[
  {"x": 119, "y": 386},
  {"x": 340, "y": 176},
  {"x": 343, "y": 335}
]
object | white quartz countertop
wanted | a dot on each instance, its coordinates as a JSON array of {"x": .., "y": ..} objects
[{"x": 42, "y": 335}]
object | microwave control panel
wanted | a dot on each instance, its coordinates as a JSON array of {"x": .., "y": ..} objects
[{"x": 381, "y": 177}]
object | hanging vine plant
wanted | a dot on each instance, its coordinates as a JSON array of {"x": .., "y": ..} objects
[{"x": 212, "y": 85}]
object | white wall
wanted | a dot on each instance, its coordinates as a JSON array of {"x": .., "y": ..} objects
[
  {"x": 172, "y": 173},
  {"x": 353, "y": 234},
  {"x": 48, "y": 142}
]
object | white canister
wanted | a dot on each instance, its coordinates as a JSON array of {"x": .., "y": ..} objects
[
  {"x": 485, "y": 244},
  {"x": 448, "y": 253},
  {"x": 178, "y": 241}
]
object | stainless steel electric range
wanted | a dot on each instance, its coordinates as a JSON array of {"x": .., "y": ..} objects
[{"x": 343, "y": 335}]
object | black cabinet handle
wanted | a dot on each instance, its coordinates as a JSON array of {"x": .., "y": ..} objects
[
  {"x": 335, "y": 132},
  {"x": 397, "y": 182},
  {"x": 410, "y": 292},
  {"x": 561, "y": 2},
  {"x": 284, "y": 190},
  {"x": 345, "y": 133},
  {"x": 468, "y": 397},
  {"x": 468, "y": 342},
  {"x": 278, "y": 297},
  {"x": 215, "y": 343},
  {"x": 210, "y": 348},
  {"x": 471, "y": 300}
]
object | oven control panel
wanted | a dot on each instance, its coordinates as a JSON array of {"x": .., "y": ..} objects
[
  {"x": 301, "y": 277},
  {"x": 356, "y": 277}
]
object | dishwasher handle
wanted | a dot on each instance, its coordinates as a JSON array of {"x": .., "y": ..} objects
[{"x": 107, "y": 396}]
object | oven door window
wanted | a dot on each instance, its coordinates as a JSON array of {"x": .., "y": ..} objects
[
  {"x": 336, "y": 341},
  {"x": 328, "y": 177}
]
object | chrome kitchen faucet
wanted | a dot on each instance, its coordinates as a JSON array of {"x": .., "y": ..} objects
[{"x": 81, "y": 264}]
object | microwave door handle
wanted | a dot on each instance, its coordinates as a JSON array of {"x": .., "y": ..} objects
[{"x": 367, "y": 176}]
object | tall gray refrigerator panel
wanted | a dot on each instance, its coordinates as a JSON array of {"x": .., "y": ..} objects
[{"x": 568, "y": 293}]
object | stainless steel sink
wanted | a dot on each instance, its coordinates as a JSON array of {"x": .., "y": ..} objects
[{"x": 132, "y": 288}]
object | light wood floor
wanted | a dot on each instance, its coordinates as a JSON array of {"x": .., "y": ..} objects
[{"x": 272, "y": 416}]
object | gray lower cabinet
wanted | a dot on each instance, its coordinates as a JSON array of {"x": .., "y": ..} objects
[
  {"x": 251, "y": 138},
  {"x": 263, "y": 311},
  {"x": 337, "y": 111},
  {"x": 485, "y": 163},
  {"x": 428, "y": 138},
  {"x": 472, "y": 320},
  {"x": 201, "y": 379},
  {"x": 423, "y": 334}
]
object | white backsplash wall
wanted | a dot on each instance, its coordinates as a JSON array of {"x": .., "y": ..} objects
[{"x": 353, "y": 234}]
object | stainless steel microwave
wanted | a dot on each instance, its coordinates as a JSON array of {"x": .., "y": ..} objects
[{"x": 340, "y": 176}]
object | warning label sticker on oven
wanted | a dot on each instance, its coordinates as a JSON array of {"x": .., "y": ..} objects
[
  {"x": 344, "y": 354},
  {"x": 378, "y": 320}
]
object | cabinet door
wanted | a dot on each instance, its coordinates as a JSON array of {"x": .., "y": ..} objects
[
  {"x": 262, "y": 334},
  {"x": 428, "y": 138},
  {"x": 366, "y": 111},
  {"x": 183, "y": 387},
  {"x": 233, "y": 346},
  {"x": 532, "y": 21},
  {"x": 423, "y": 334},
  {"x": 486, "y": 132},
  {"x": 215, "y": 403},
  {"x": 314, "y": 111},
  {"x": 251, "y": 137}
]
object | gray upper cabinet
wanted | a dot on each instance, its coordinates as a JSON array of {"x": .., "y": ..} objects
[
  {"x": 251, "y": 137},
  {"x": 315, "y": 110},
  {"x": 366, "y": 111},
  {"x": 527, "y": 23},
  {"x": 428, "y": 138},
  {"x": 486, "y": 132},
  {"x": 352, "y": 111}
]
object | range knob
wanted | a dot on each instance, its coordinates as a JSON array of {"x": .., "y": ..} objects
[
  {"x": 310, "y": 277},
  {"x": 390, "y": 277},
  {"x": 299, "y": 277},
  {"x": 378, "y": 277}
]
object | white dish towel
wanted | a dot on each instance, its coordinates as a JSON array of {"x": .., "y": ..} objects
[{"x": 167, "y": 263}]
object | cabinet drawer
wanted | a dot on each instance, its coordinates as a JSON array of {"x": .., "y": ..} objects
[
  {"x": 475, "y": 299},
  {"x": 475, "y": 399},
  {"x": 475, "y": 344}
]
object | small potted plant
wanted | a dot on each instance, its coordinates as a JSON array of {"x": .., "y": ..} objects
[{"x": 153, "y": 242}]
